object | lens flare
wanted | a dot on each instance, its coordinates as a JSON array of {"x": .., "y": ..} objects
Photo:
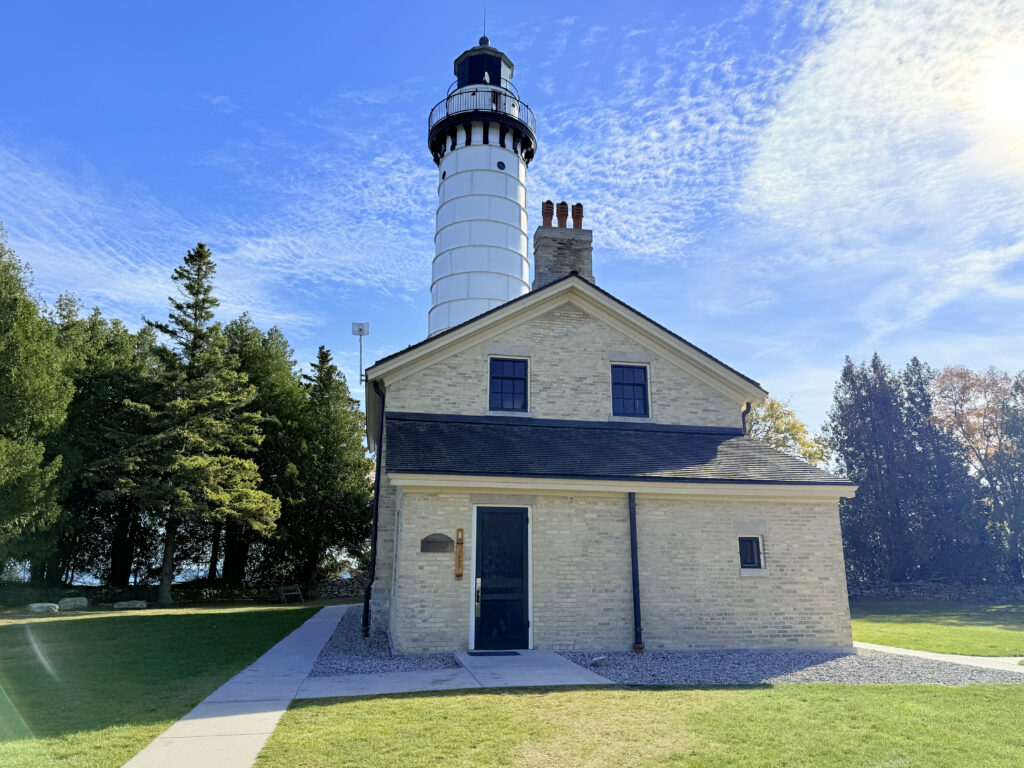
[{"x": 37, "y": 649}]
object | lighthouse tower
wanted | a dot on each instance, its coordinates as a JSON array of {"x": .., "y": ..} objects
[{"x": 482, "y": 136}]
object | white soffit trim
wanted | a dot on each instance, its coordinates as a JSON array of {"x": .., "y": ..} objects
[
  {"x": 795, "y": 491},
  {"x": 697, "y": 363}
]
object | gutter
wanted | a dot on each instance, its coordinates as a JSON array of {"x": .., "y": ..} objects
[
  {"x": 746, "y": 412},
  {"x": 638, "y": 630},
  {"x": 376, "y": 512}
]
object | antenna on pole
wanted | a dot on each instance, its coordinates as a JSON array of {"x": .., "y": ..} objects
[
  {"x": 360, "y": 330},
  {"x": 485, "y": 17}
]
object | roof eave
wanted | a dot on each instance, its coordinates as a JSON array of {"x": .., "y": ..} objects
[{"x": 808, "y": 491}]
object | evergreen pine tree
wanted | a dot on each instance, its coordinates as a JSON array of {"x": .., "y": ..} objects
[
  {"x": 334, "y": 513},
  {"x": 198, "y": 460},
  {"x": 101, "y": 525},
  {"x": 268, "y": 362}
]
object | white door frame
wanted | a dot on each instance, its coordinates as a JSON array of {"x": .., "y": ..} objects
[{"x": 529, "y": 571}]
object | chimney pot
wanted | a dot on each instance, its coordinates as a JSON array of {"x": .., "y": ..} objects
[
  {"x": 577, "y": 216},
  {"x": 560, "y": 251},
  {"x": 563, "y": 213},
  {"x": 547, "y": 210}
]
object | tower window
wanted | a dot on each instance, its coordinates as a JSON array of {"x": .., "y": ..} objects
[
  {"x": 443, "y": 175},
  {"x": 501, "y": 166},
  {"x": 750, "y": 552},
  {"x": 629, "y": 390},
  {"x": 508, "y": 384}
]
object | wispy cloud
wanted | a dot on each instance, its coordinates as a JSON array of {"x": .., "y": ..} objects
[
  {"x": 880, "y": 154},
  {"x": 223, "y": 103}
]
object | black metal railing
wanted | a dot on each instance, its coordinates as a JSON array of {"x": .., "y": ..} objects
[{"x": 483, "y": 100}]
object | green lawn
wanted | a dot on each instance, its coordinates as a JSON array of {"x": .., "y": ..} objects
[
  {"x": 942, "y": 627},
  {"x": 90, "y": 690},
  {"x": 788, "y": 725}
]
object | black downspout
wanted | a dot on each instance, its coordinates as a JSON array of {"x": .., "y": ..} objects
[
  {"x": 638, "y": 630},
  {"x": 746, "y": 412},
  {"x": 376, "y": 512}
]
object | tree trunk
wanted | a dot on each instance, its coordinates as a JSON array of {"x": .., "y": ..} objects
[
  {"x": 236, "y": 554},
  {"x": 54, "y": 571},
  {"x": 122, "y": 545},
  {"x": 211, "y": 573},
  {"x": 164, "y": 599},
  {"x": 37, "y": 572}
]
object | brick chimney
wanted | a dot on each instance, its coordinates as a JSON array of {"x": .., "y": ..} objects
[{"x": 557, "y": 251}]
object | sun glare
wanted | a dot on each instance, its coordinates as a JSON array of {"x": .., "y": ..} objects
[
  {"x": 1002, "y": 91},
  {"x": 999, "y": 109}
]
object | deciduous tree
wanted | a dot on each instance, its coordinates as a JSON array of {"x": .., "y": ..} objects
[
  {"x": 773, "y": 422},
  {"x": 34, "y": 395}
]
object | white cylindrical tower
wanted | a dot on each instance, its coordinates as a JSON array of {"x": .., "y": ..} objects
[{"x": 482, "y": 137}]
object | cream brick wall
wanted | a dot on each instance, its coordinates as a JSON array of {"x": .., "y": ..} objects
[
  {"x": 693, "y": 593},
  {"x": 582, "y": 590},
  {"x": 570, "y": 353},
  {"x": 430, "y": 607}
]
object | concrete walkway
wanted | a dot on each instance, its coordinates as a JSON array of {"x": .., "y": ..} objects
[
  {"x": 229, "y": 728},
  {"x": 1003, "y": 663},
  {"x": 524, "y": 668}
]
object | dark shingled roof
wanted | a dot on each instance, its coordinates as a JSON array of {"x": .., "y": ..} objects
[{"x": 526, "y": 447}]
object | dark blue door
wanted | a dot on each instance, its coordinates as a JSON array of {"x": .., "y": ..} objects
[{"x": 501, "y": 578}]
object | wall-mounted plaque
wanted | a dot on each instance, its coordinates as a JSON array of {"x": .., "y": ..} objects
[{"x": 437, "y": 542}]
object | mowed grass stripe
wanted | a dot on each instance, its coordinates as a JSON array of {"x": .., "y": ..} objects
[
  {"x": 796, "y": 726},
  {"x": 90, "y": 690},
  {"x": 940, "y": 626}
]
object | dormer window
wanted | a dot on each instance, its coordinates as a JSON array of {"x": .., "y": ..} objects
[
  {"x": 508, "y": 384},
  {"x": 629, "y": 390}
]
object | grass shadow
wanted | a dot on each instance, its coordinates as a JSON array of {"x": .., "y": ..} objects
[{"x": 1008, "y": 616}]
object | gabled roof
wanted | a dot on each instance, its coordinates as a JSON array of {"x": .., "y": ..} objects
[
  {"x": 571, "y": 276},
  {"x": 716, "y": 373},
  {"x": 497, "y": 446}
]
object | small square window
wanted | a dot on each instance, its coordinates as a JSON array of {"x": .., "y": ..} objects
[
  {"x": 629, "y": 390},
  {"x": 508, "y": 384},
  {"x": 750, "y": 552}
]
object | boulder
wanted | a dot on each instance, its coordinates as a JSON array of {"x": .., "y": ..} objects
[
  {"x": 129, "y": 605},
  {"x": 43, "y": 607},
  {"x": 74, "y": 604}
]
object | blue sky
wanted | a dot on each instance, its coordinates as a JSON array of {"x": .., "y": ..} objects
[{"x": 783, "y": 184}]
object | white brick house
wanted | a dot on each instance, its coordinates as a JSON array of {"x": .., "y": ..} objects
[
  {"x": 521, "y": 442},
  {"x": 555, "y": 470}
]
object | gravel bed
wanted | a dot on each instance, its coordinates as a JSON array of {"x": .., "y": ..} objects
[
  {"x": 349, "y": 653},
  {"x": 757, "y": 667}
]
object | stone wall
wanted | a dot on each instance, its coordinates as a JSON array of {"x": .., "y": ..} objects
[
  {"x": 22, "y": 594},
  {"x": 693, "y": 592},
  {"x": 570, "y": 353},
  {"x": 936, "y": 590},
  {"x": 353, "y": 588}
]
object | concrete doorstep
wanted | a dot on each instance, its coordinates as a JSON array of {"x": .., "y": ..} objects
[
  {"x": 525, "y": 669},
  {"x": 229, "y": 728}
]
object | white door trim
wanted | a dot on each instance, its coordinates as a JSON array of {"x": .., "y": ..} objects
[{"x": 529, "y": 571}]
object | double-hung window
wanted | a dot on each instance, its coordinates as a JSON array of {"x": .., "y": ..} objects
[
  {"x": 750, "y": 552},
  {"x": 508, "y": 384},
  {"x": 629, "y": 390}
]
